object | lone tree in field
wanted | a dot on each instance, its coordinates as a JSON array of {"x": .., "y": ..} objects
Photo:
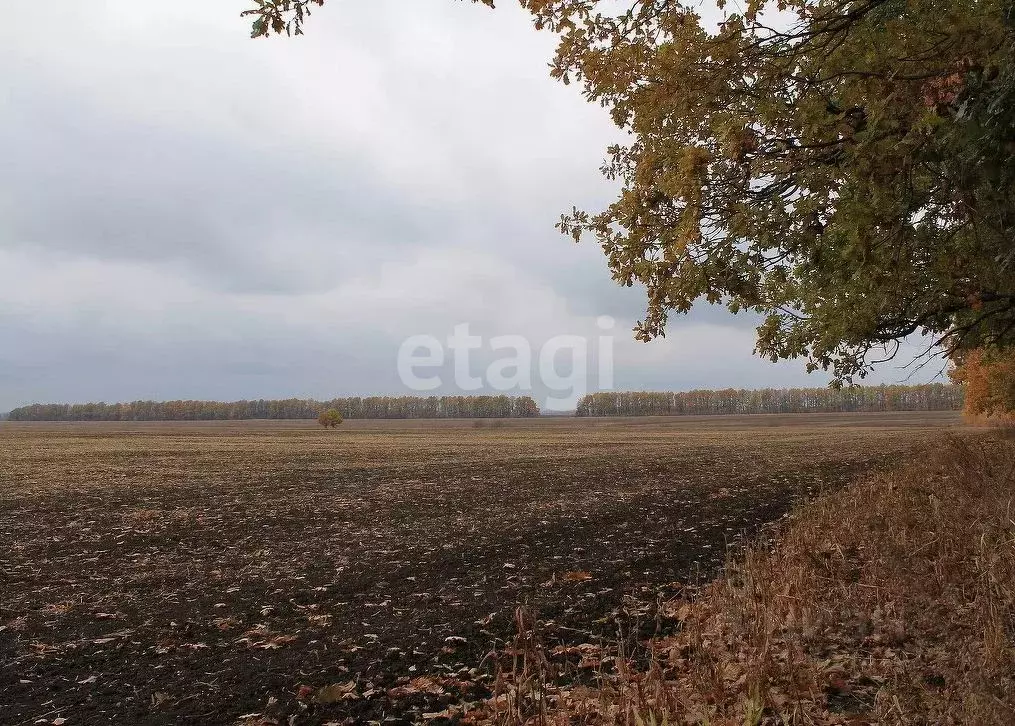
[
  {"x": 330, "y": 419},
  {"x": 843, "y": 167}
]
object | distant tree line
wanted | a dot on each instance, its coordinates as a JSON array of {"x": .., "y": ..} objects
[
  {"x": 931, "y": 397},
  {"x": 373, "y": 407}
]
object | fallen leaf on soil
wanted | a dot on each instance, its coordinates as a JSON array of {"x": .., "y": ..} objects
[
  {"x": 337, "y": 692},
  {"x": 277, "y": 642},
  {"x": 446, "y": 713},
  {"x": 422, "y": 684}
]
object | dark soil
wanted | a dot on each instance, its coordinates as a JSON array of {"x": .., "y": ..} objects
[{"x": 204, "y": 575}]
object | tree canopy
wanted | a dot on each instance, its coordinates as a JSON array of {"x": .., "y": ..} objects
[
  {"x": 842, "y": 167},
  {"x": 330, "y": 419},
  {"x": 989, "y": 380}
]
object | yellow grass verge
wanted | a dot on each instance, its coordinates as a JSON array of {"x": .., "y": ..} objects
[{"x": 892, "y": 601}]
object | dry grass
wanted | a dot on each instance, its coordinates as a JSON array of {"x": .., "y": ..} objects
[
  {"x": 892, "y": 601},
  {"x": 1001, "y": 422}
]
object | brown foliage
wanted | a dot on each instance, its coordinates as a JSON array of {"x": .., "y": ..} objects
[{"x": 989, "y": 378}]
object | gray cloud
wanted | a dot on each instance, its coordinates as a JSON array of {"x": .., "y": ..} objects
[
  {"x": 245, "y": 219},
  {"x": 188, "y": 213}
]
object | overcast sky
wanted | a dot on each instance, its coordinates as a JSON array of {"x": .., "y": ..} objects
[{"x": 188, "y": 213}]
